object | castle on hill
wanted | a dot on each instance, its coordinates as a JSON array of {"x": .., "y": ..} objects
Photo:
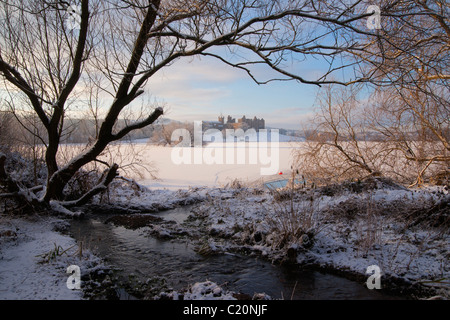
[{"x": 231, "y": 123}]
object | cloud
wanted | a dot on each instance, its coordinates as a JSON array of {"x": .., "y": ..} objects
[
  {"x": 199, "y": 70},
  {"x": 201, "y": 89},
  {"x": 204, "y": 70},
  {"x": 288, "y": 117},
  {"x": 193, "y": 84}
]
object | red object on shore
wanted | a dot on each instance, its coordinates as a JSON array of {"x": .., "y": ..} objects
[{"x": 280, "y": 172}]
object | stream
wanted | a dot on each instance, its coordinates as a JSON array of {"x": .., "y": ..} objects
[{"x": 139, "y": 255}]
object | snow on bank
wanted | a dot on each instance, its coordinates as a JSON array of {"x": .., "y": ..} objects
[
  {"x": 237, "y": 218},
  {"x": 347, "y": 232},
  {"x": 142, "y": 199},
  {"x": 25, "y": 245},
  {"x": 207, "y": 290}
]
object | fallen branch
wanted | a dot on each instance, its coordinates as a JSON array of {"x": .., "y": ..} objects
[
  {"x": 108, "y": 176},
  {"x": 9, "y": 195},
  {"x": 57, "y": 207},
  {"x": 15, "y": 188},
  {"x": 419, "y": 180}
]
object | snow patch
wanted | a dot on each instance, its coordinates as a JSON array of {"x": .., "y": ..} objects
[
  {"x": 207, "y": 290},
  {"x": 24, "y": 275}
]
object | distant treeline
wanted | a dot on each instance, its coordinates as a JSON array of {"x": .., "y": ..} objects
[{"x": 29, "y": 131}]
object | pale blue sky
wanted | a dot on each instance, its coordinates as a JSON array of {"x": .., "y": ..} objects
[{"x": 203, "y": 89}]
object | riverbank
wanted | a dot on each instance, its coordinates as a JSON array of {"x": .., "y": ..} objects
[
  {"x": 35, "y": 255},
  {"x": 341, "y": 229}
]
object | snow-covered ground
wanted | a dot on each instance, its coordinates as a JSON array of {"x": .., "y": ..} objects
[
  {"x": 244, "y": 161},
  {"x": 175, "y": 176},
  {"x": 34, "y": 257},
  {"x": 347, "y": 231}
]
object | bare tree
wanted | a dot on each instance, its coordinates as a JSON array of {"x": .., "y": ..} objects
[
  {"x": 118, "y": 45},
  {"x": 406, "y": 64},
  {"x": 339, "y": 145},
  {"x": 7, "y": 134},
  {"x": 416, "y": 125},
  {"x": 410, "y": 63}
]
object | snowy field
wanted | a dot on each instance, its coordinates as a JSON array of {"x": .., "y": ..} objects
[{"x": 170, "y": 175}]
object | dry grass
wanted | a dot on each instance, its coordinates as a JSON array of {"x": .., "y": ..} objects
[
  {"x": 295, "y": 220},
  {"x": 369, "y": 228}
]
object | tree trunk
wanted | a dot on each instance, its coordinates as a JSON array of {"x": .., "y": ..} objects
[{"x": 61, "y": 177}]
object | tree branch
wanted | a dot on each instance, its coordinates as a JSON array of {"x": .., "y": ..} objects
[
  {"x": 78, "y": 59},
  {"x": 108, "y": 176},
  {"x": 14, "y": 77},
  {"x": 138, "y": 49},
  {"x": 139, "y": 125}
]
